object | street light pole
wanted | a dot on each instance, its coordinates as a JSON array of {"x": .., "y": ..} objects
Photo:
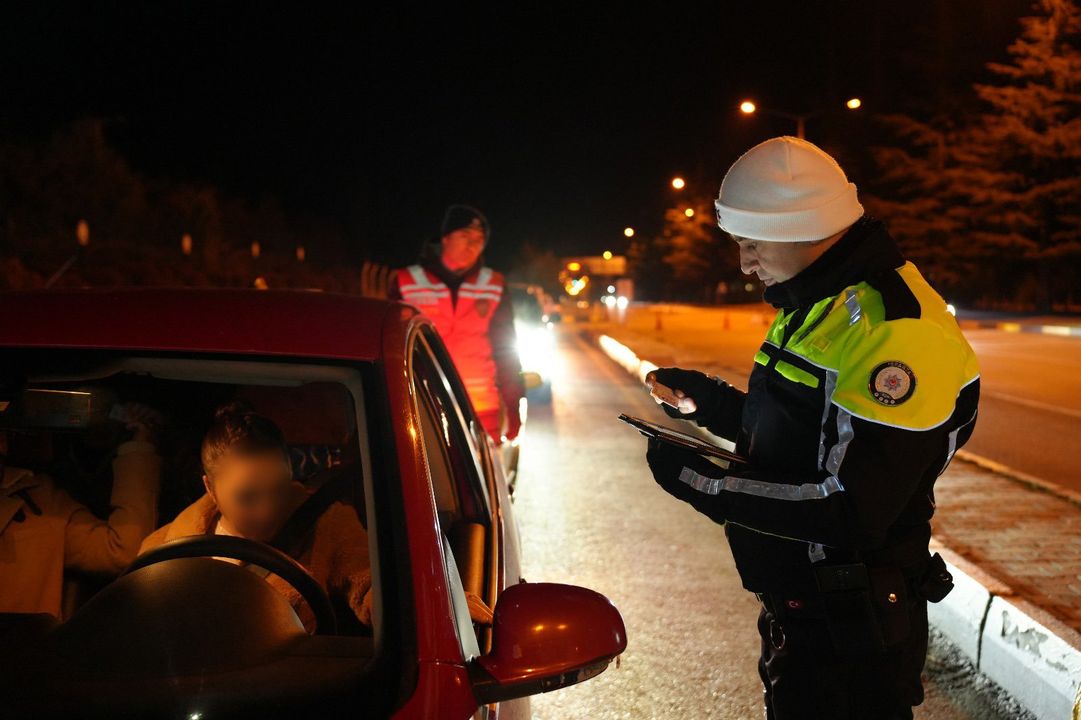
[
  {"x": 82, "y": 237},
  {"x": 748, "y": 107}
]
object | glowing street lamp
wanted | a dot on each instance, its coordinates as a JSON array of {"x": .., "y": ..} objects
[
  {"x": 607, "y": 255},
  {"x": 628, "y": 232},
  {"x": 689, "y": 212},
  {"x": 82, "y": 236},
  {"x": 678, "y": 183},
  {"x": 747, "y": 107}
]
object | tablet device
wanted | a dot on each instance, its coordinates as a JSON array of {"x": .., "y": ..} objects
[{"x": 680, "y": 439}]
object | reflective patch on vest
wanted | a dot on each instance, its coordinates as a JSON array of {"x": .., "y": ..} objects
[
  {"x": 482, "y": 307},
  {"x": 852, "y": 302},
  {"x": 892, "y": 383},
  {"x": 795, "y": 374}
]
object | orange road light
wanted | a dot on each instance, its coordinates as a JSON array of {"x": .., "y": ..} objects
[{"x": 747, "y": 107}]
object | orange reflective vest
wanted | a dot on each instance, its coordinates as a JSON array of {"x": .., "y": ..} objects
[{"x": 462, "y": 325}]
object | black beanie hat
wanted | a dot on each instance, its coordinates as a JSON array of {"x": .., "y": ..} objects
[{"x": 463, "y": 216}]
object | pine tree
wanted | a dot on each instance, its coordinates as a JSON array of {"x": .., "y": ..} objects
[
  {"x": 694, "y": 251},
  {"x": 982, "y": 200},
  {"x": 1031, "y": 139}
]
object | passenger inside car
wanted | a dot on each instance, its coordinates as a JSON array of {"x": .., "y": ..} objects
[
  {"x": 45, "y": 531},
  {"x": 251, "y": 493}
]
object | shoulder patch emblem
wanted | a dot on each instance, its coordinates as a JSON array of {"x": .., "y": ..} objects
[
  {"x": 892, "y": 383},
  {"x": 482, "y": 307}
]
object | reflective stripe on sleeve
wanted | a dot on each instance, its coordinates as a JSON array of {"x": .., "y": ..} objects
[{"x": 774, "y": 491}]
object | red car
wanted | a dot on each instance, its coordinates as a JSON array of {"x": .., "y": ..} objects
[{"x": 371, "y": 405}]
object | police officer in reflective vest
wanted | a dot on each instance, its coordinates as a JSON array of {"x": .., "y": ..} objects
[
  {"x": 472, "y": 311},
  {"x": 860, "y": 395}
]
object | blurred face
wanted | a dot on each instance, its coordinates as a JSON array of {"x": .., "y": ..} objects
[
  {"x": 462, "y": 248},
  {"x": 776, "y": 262},
  {"x": 251, "y": 491}
]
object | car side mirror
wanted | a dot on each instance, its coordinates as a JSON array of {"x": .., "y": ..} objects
[
  {"x": 531, "y": 380},
  {"x": 547, "y": 636}
]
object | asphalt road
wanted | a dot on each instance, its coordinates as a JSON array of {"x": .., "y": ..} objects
[
  {"x": 590, "y": 514},
  {"x": 1030, "y": 404}
]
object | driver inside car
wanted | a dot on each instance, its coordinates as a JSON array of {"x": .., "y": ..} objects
[
  {"x": 45, "y": 531},
  {"x": 250, "y": 493}
]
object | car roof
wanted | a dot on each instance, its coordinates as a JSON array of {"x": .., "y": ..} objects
[{"x": 260, "y": 322}]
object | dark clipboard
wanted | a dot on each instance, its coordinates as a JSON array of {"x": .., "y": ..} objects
[{"x": 681, "y": 440}]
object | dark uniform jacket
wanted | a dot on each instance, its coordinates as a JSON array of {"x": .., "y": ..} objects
[{"x": 860, "y": 395}]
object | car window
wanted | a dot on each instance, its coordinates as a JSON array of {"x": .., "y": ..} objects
[
  {"x": 76, "y": 426},
  {"x": 456, "y": 438},
  {"x": 461, "y": 496},
  {"x": 476, "y": 435},
  {"x": 433, "y": 426}
]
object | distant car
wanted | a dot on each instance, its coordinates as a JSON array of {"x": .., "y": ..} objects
[
  {"x": 184, "y": 635},
  {"x": 536, "y": 341}
]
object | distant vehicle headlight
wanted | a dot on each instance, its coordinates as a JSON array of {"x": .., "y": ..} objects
[{"x": 536, "y": 347}]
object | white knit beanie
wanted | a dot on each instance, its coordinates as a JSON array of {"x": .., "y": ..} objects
[{"x": 786, "y": 190}]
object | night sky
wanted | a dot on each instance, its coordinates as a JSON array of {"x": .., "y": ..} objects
[{"x": 563, "y": 123}]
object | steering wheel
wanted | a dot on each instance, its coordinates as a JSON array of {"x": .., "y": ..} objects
[{"x": 255, "y": 553}]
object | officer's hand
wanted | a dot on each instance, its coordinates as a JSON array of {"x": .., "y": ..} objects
[
  {"x": 667, "y": 462},
  {"x": 706, "y": 391},
  {"x": 514, "y": 422}
]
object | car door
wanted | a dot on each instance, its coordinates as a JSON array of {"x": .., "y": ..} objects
[
  {"x": 491, "y": 466},
  {"x": 469, "y": 493}
]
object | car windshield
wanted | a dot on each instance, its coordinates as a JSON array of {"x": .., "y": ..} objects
[{"x": 114, "y": 449}]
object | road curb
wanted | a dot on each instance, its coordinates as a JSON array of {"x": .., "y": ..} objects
[
  {"x": 1031, "y": 481},
  {"x": 1033, "y": 656}
]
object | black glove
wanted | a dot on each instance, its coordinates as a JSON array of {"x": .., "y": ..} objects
[
  {"x": 667, "y": 463},
  {"x": 707, "y": 392}
]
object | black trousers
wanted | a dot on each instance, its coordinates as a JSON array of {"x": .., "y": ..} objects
[{"x": 805, "y": 677}]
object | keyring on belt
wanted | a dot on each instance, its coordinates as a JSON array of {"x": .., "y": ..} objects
[{"x": 776, "y": 634}]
